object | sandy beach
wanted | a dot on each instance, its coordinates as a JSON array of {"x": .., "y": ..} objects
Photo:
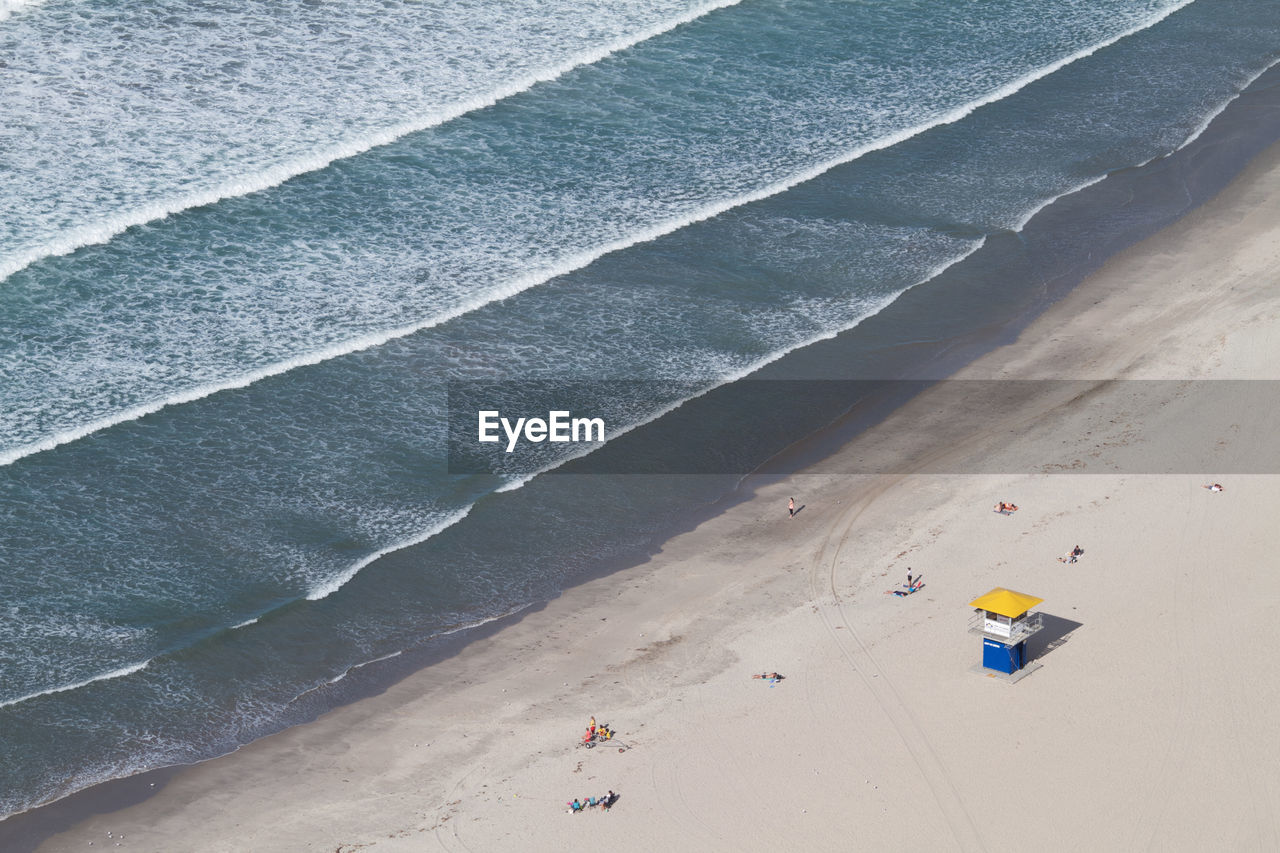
[{"x": 1149, "y": 725}]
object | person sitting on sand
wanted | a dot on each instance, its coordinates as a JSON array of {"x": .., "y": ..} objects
[
  {"x": 1071, "y": 555},
  {"x": 576, "y": 805},
  {"x": 1214, "y": 487}
]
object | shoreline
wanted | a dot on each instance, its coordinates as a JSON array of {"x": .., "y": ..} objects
[{"x": 422, "y": 694}]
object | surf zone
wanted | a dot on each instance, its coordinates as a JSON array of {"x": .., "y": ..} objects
[{"x": 558, "y": 426}]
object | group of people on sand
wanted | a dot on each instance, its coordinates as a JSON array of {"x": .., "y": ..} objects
[
  {"x": 602, "y": 732},
  {"x": 605, "y": 803},
  {"x": 1006, "y": 508}
]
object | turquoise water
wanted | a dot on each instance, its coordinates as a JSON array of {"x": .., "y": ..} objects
[{"x": 245, "y": 248}]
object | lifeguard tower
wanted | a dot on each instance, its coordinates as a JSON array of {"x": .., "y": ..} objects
[{"x": 1005, "y": 621}]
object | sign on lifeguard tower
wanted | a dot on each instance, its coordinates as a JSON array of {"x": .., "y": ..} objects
[{"x": 1004, "y": 620}]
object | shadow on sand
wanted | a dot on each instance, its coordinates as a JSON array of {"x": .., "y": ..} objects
[{"x": 1055, "y": 633}]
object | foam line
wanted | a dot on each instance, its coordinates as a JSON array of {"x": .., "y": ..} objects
[
  {"x": 476, "y": 623},
  {"x": 573, "y": 262},
  {"x": 333, "y": 584},
  {"x": 1030, "y": 214},
  {"x": 1195, "y": 134},
  {"x": 102, "y": 232},
  {"x": 1204, "y": 125},
  {"x": 352, "y": 669},
  {"x": 128, "y": 670}
]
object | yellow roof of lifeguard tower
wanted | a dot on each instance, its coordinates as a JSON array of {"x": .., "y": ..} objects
[{"x": 1006, "y": 602}]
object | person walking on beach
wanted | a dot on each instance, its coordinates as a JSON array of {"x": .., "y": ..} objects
[{"x": 791, "y": 508}]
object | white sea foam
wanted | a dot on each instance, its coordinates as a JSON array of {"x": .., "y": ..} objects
[
  {"x": 519, "y": 482},
  {"x": 1030, "y": 214},
  {"x": 476, "y": 623},
  {"x": 118, "y": 673},
  {"x": 333, "y": 584},
  {"x": 352, "y": 669},
  {"x": 103, "y": 230},
  {"x": 584, "y": 257},
  {"x": 1208, "y": 119},
  {"x": 1194, "y": 135},
  {"x": 506, "y": 291},
  {"x": 8, "y": 7},
  {"x": 246, "y": 623}
]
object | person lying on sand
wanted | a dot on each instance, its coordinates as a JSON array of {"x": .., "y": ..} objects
[
  {"x": 772, "y": 676},
  {"x": 1006, "y": 508},
  {"x": 1214, "y": 487}
]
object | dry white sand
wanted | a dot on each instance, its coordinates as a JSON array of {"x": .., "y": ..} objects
[{"x": 1151, "y": 725}]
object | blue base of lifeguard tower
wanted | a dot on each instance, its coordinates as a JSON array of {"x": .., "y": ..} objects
[
  {"x": 1003, "y": 658},
  {"x": 1003, "y": 618}
]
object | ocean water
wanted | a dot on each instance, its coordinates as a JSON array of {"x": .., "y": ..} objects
[{"x": 245, "y": 249}]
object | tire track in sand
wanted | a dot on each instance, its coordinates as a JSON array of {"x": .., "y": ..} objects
[{"x": 830, "y": 608}]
